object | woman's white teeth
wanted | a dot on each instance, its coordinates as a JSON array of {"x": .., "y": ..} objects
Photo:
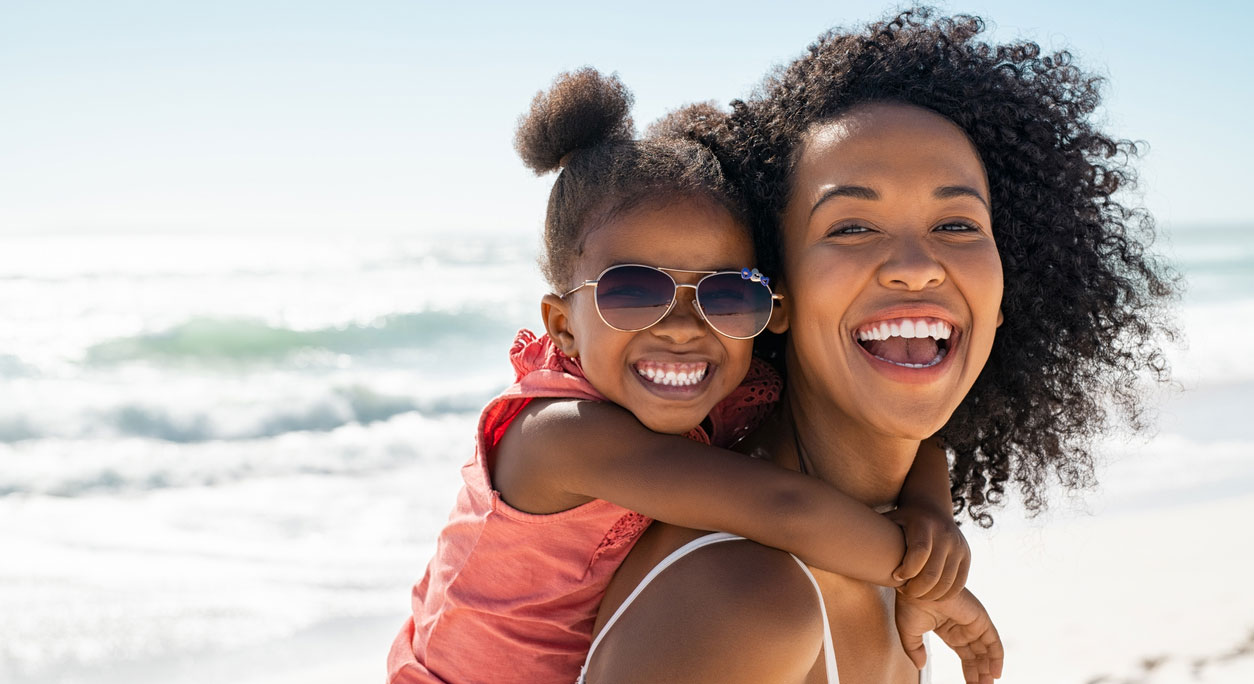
[
  {"x": 906, "y": 328},
  {"x": 673, "y": 374}
]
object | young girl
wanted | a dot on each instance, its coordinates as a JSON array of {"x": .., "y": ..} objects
[{"x": 649, "y": 338}]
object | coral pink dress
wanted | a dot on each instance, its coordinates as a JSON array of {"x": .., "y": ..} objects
[{"x": 512, "y": 596}]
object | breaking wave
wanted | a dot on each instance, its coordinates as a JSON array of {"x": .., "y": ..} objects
[{"x": 243, "y": 340}]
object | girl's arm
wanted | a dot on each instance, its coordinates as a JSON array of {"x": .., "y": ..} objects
[
  {"x": 559, "y": 454},
  {"x": 927, "y": 484},
  {"x": 937, "y": 556}
]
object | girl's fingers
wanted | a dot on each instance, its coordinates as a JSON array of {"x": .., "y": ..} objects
[
  {"x": 949, "y": 573},
  {"x": 918, "y": 656},
  {"x": 912, "y": 635},
  {"x": 926, "y": 578},
  {"x": 970, "y": 673},
  {"x": 979, "y": 648},
  {"x": 960, "y": 580},
  {"x": 996, "y": 651},
  {"x": 987, "y": 644},
  {"x": 918, "y": 552}
]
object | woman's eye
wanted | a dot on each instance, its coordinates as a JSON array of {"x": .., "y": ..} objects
[
  {"x": 957, "y": 227},
  {"x": 848, "y": 230}
]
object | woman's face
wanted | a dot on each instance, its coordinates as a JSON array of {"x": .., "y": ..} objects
[{"x": 892, "y": 282}]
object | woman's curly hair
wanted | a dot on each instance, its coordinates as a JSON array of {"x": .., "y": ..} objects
[
  {"x": 582, "y": 125},
  {"x": 1085, "y": 301}
]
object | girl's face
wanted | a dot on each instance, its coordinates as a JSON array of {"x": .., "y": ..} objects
[
  {"x": 892, "y": 279},
  {"x": 687, "y": 234}
]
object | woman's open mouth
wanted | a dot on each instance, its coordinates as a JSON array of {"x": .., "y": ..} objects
[{"x": 906, "y": 342}]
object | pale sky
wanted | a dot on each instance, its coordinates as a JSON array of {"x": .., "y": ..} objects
[{"x": 391, "y": 115}]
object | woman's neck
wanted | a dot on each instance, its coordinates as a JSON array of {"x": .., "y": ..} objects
[{"x": 814, "y": 437}]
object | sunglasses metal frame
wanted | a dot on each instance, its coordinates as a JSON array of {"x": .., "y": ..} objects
[{"x": 746, "y": 274}]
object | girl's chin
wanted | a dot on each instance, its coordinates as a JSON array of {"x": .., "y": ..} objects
[
  {"x": 670, "y": 426},
  {"x": 670, "y": 420}
]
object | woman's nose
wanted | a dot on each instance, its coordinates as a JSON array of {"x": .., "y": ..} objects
[
  {"x": 911, "y": 266},
  {"x": 684, "y": 321}
]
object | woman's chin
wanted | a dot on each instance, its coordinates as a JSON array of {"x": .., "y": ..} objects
[{"x": 908, "y": 418}]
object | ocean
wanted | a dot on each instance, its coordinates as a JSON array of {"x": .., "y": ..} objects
[{"x": 219, "y": 450}]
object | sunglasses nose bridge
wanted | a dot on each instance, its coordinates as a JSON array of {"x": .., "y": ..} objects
[
  {"x": 670, "y": 325},
  {"x": 691, "y": 300}
]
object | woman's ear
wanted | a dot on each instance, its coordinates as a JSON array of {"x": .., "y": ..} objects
[
  {"x": 1000, "y": 318},
  {"x": 779, "y": 315},
  {"x": 555, "y": 312}
]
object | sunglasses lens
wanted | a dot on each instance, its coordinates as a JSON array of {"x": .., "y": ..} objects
[
  {"x": 733, "y": 305},
  {"x": 634, "y": 297}
]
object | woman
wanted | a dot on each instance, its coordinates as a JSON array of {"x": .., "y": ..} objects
[{"x": 909, "y": 177}]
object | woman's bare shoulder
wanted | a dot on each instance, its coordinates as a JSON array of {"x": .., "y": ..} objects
[{"x": 729, "y": 612}]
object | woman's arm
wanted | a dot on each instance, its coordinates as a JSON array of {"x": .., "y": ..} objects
[{"x": 559, "y": 454}]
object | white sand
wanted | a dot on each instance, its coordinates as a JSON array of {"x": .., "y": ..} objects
[{"x": 1092, "y": 599}]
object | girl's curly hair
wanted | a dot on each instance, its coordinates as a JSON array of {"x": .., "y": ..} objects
[
  {"x": 1085, "y": 301},
  {"x": 582, "y": 125}
]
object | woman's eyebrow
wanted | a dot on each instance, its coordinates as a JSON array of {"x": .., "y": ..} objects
[
  {"x": 854, "y": 191},
  {"x": 864, "y": 193},
  {"x": 951, "y": 191}
]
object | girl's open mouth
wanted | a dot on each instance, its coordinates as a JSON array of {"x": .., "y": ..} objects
[
  {"x": 906, "y": 342},
  {"x": 672, "y": 374},
  {"x": 674, "y": 380}
]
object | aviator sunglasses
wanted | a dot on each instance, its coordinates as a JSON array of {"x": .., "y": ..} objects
[{"x": 633, "y": 297}]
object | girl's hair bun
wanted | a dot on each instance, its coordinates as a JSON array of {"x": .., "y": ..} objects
[{"x": 583, "y": 109}]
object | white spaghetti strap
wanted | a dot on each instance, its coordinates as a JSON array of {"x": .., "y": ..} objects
[
  {"x": 925, "y": 675},
  {"x": 828, "y": 654},
  {"x": 657, "y": 570},
  {"x": 829, "y": 651}
]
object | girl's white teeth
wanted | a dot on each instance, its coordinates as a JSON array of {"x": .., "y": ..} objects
[
  {"x": 673, "y": 374},
  {"x": 905, "y": 328}
]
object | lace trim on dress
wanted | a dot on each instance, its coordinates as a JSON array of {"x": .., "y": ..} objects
[{"x": 625, "y": 531}]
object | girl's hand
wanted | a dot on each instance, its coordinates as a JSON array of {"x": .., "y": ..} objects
[
  {"x": 962, "y": 623},
  {"x": 937, "y": 557}
]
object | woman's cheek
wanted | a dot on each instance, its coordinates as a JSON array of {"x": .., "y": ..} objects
[{"x": 991, "y": 283}]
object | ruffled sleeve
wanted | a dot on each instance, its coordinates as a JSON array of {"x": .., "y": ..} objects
[
  {"x": 541, "y": 371},
  {"x": 530, "y": 353}
]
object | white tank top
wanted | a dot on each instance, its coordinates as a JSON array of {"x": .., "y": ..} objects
[{"x": 829, "y": 655}]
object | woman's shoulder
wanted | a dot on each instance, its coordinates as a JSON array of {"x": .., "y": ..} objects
[
  {"x": 744, "y": 581},
  {"x": 729, "y": 612}
]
